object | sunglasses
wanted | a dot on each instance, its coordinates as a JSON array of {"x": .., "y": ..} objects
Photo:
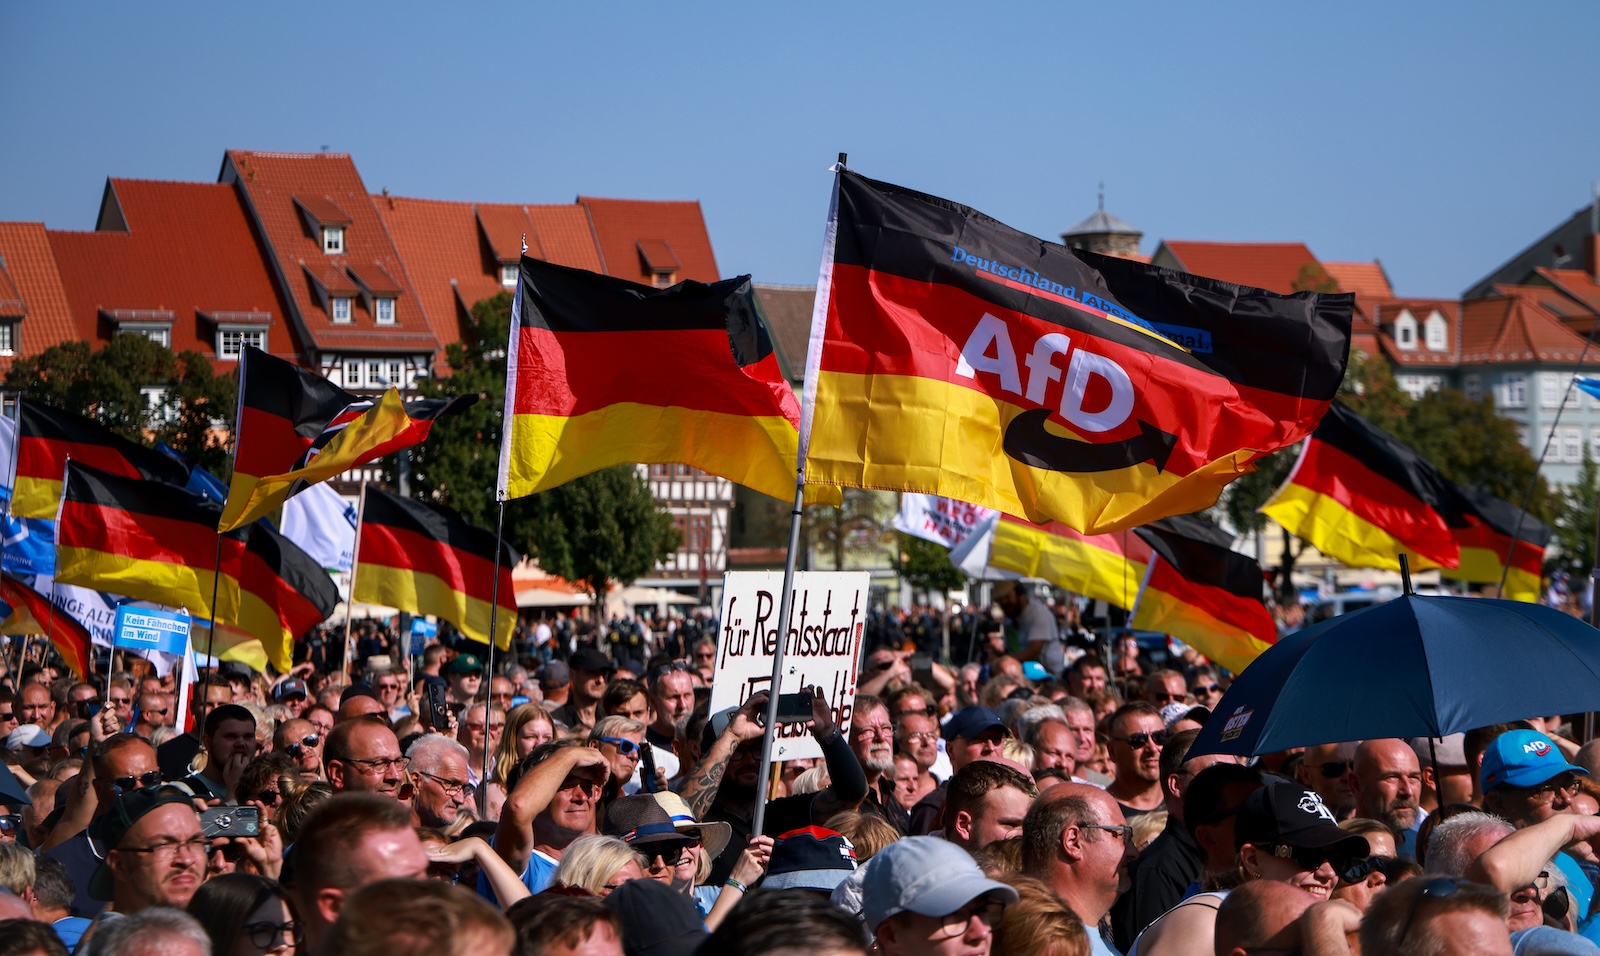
[
  {"x": 1335, "y": 768},
  {"x": 295, "y": 750},
  {"x": 10, "y": 822},
  {"x": 672, "y": 854},
  {"x": 122, "y": 785},
  {"x": 1311, "y": 858},
  {"x": 1199, "y": 689},
  {"x": 8, "y": 715},
  {"x": 1138, "y": 740},
  {"x": 1361, "y": 869},
  {"x": 1438, "y": 888},
  {"x": 264, "y": 934},
  {"x": 662, "y": 670},
  {"x": 624, "y": 746},
  {"x": 268, "y": 797}
]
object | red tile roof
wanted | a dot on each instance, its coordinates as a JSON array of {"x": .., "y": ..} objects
[
  {"x": 1275, "y": 266},
  {"x": 1514, "y": 328},
  {"x": 31, "y": 271},
  {"x": 1363, "y": 278},
  {"x": 323, "y": 209},
  {"x": 788, "y": 310},
  {"x": 1385, "y": 313},
  {"x": 275, "y": 185},
  {"x": 624, "y": 228},
  {"x": 453, "y": 250},
  {"x": 188, "y": 250},
  {"x": 1576, "y": 283}
]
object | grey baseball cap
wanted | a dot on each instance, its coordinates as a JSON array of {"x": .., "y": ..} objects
[{"x": 926, "y": 875}]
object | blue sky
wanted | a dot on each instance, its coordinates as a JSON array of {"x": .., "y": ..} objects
[{"x": 1438, "y": 138}]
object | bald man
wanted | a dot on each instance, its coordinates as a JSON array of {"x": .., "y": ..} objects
[
  {"x": 1386, "y": 781},
  {"x": 1076, "y": 840},
  {"x": 1261, "y": 916}
]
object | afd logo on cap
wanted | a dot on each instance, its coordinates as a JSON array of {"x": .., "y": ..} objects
[{"x": 1538, "y": 747}]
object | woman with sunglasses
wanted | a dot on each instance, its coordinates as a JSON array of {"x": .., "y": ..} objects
[
  {"x": 247, "y": 915},
  {"x": 1363, "y": 880}
]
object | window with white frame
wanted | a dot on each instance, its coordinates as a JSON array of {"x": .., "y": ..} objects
[
  {"x": 1405, "y": 331},
  {"x": 1571, "y": 440},
  {"x": 231, "y": 342},
  {"x": 8, "y": 338},
  {"x": 352, "y": 373},
  {"x": 396, "y": 373},
  {"x": 1435, "y": 332},
  {"x": 341, "y": 308},
  {"x": 1516, "y": 391},
  {"x": 375, "y": 377},
  {"x": 383, "y": 311},
  {"x": 1472, "y": 386},
  {"x": 508, "y": 276},
  {"x": 1549, "y": 444},
  {"x": 1549, "y": 390},
  {"x": 161, "y": 410},
  {"x": 333, "y": 240}
]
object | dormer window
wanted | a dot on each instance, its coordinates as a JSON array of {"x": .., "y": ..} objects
[
  {"x": 383, "y": 311},
  {"x": 1436, "y": 332},
  {"x": 8, "y": 338},
  {"x": 508, "y": 276},
  {"x": 340, "y": 308},
  {"x": 333, "y": 240},
  {"x": 1405, "y": 330}
]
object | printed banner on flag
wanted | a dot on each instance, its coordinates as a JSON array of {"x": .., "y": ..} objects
[
  {"x": 953, "y": 355},
  {"x": 940, "y": 520},
  {"x": 827, "y": 621},
  {"x": 323, "y": 524}
]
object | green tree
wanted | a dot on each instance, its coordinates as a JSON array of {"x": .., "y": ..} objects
[
  {"x": 1575, "y": 528},
  {"x": 594, "y": 530},
  {"x": 857, "y": 526},
  {"x": 926, "y": 566},
  {"x": 108, "y": 386}
]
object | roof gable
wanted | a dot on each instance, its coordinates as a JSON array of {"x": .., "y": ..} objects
[
  {"x": 1514, "y": 327},
  {"x": 1274, "y": 266},
  {"x": 34, "y": 278},
  {"x": 624, "y": 228}
]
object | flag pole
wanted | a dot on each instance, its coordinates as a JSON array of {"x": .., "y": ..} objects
[
  {"x": 211, "y": 632},
  {"x": 488, "y": 684},
  {"x": 350, "y": 599},
  {"x": 808, "y": 405}
]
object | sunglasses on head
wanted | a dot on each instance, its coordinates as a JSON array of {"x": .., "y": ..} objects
[{"x": 624, "y": 746}]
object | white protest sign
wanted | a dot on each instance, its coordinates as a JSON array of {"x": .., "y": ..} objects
[
  {"x": 940, "y": 520},
  {"x": 826, "y": 625}
]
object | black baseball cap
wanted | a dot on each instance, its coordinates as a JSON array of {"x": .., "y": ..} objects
[
  {"x": 590, "y": 659},
  {"x": 973, "y": 722},
  {"x": 1284, "y": 812}
]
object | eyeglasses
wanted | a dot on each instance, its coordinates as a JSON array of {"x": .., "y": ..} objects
[
  {"x": 453, "y": 788},
  {"x": 1138, "y": 740},
  {"x": 1361, "y": 869},
  {"x": 879, "y": 733},
  {"x": 230, "y": 851},
  {"x": 117, "y": 702},
  {"x": 122, "y": 785},
  {"x": 1566, "y": 783},
  {"x": 954, "y": 924},
  {"x": 478, "y": 725},
  {"x": 268, "y": 798},
  {"x": 167, "y": 851},
  {"x": 1121, "y": 830},
  {"x": 705, "y": 655},
  {"x": 378, "y": 764},
  {"x": 1438, "y": 888},
  {"x": 1170, "y": 698},
  {"x": 1335, "y": 768},
  {"x": 624, "y": 746},
  {"x": 1199, "y": 689},
  {"x": 158, "y": 711},
  {"x": 923, "y": 735},
  {"x": 263, "y": 935}
]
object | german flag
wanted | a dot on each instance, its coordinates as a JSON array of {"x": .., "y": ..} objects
[
  {"x": 1104, "y": 567},
  {"x": 144, "y": 539},
  {"x": 959, "y": 357},
  {"x": 32, "y": 614},
  {"x": 1204, "y": 593},
  {"x": 604, "y": 372},
  {"x": 283, "y": 593},
  {"x": 47, "y": 437},
  {"x": 297, "y": 428},
  {"x": 157, "y": 542},
  {"x": 1361, "y": 496},
  {"x": 1496, "y": 529},
  {"x": 426, "y": 559}
]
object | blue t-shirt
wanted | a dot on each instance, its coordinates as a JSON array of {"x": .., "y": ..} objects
[{"x": 541, "y": 869}]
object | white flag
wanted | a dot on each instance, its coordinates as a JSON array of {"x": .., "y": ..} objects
[
  {"x": 971, "y": 556},
  {"x": 940, "y": 520},
  {"x": 8, "y": 455},
  {"x": 323, "y": 525}
]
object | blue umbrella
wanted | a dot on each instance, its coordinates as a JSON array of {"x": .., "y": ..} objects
[
  {"x": 12, "y": 793},
  {"x": 1414, "y": 667}
]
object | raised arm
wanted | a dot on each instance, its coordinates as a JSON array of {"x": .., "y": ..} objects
[
  {"x": 700, "y": 790},
  {"x": 513, "y": 835}
]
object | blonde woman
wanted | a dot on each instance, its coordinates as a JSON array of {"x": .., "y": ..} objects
[
  {"x": 598, "y": 864},
  {"x": 527, "y": 726}
]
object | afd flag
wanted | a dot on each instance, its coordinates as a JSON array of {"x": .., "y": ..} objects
[
  {"x": 323, "y": 524},
  {"x": 28, "y": 547}
]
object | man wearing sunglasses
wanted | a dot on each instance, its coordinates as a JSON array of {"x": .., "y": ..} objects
[
  {"x": 619, "y": 739},
  {"x": 300, "y": 739},
  {"x": 1325, "y": 768},
  {"x": 1137, "y": 736}
]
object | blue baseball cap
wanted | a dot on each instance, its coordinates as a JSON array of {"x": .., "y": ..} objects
[
  {"x": 971, "y": 722},
  {"x": 1033, "y": 670},
  {"x": 1523, "y": 758}
]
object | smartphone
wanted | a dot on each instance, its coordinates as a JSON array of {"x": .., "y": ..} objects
[
  {"x": 794, "y": 708},
  {"x": 438, "y": 710},
  {"x": 231, "y": 821},
  {"x": 647, "y": 769}
]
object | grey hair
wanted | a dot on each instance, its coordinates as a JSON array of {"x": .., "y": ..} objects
[
  {"x": 615, "y": 726},
  {"x": 1034, "y": 716},
  {"x": 429, "y": 750},
  {"x": 1449, "y": 846},
  {"x": 152, "y": 930}
]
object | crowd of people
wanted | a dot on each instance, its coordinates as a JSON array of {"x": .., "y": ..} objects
[{"x": 1042, "y": 799}]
